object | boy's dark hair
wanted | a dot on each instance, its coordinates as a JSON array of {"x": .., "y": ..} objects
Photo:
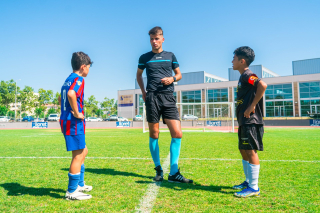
[
  {"x": 245, "y": 53},
  {"x": 78, "y": 59},
  {"x": 156, "y": 31}
]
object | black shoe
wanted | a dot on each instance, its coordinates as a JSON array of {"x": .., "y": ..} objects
[
  {"x": 159, "y": 174},
  {"x": 178, "y": 178}
]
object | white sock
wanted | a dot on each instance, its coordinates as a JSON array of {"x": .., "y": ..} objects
[
  {"x": 245, "y": 169},
  {"x": 253, "y": 174}
]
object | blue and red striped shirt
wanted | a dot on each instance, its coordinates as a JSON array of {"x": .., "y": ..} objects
[{"x": 68, "y": 123}]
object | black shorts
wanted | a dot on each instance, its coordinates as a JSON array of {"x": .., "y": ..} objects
[
  {"x": 158, "y": 104},
  {"x": 250, "y": 137}
]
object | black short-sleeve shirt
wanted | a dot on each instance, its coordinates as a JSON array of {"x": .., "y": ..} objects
[
  {"x": 158, "y": 66},
  {"x": 246, "y": 91}
]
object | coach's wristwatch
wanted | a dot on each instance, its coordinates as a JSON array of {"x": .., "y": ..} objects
[{"x": 174, "y": 79}]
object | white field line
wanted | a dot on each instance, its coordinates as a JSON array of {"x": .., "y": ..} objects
[
  {"x": 39, "y": 136},
  {"x": 147, "y": 201},
  {"x": 132, "y": 158}
]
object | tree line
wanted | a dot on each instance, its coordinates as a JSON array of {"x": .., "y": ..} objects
[{"x": 36, "y": 105}]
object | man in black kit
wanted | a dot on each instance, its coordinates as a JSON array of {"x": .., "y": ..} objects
[
  {"x": 250, "y": 90},
  {"x": 159, "y": 101}
]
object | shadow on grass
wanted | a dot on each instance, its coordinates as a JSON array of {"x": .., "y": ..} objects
[
  {"x": 111, "y": 172},
  {"x": 16, "y": 189},
  {"x": 195, "y": 186}
]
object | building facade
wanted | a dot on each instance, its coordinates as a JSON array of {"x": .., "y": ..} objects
[{"x": 286, "y": 96}]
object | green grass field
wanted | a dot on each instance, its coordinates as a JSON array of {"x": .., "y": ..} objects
[{"x": 289, "y": 177}]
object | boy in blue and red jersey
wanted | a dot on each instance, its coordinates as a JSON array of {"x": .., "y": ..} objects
[{"x": 73, "y": 125}]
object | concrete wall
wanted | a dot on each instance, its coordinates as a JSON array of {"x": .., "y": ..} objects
[{"x": 139, "y": 124}]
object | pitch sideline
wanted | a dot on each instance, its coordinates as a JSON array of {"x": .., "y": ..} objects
[{"x": 147, "y": 201}]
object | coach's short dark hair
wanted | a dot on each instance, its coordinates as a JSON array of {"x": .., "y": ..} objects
[
  {"x": 78, "y": 59},
  {"x": 156, "y": 31},
  {"x": 245, "y": 53}
]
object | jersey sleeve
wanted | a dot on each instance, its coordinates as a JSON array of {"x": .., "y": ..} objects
[
  {"x": 77, "y": 86},
  {"x": 251, "y": 79},
  {"x": 175, "y": 63},
  {"x": 141, "y": 64}
]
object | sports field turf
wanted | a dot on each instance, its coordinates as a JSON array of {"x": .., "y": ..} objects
[{"x": 289, "y": 177}]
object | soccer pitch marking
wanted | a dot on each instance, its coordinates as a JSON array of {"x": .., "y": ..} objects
[
  {"x": 133, "y": 158},
  {"x": 146, "y": 203}
]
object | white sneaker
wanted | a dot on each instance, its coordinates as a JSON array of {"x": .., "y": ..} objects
[
  {"x": 85, "y": 188},
  {"x": 77, "y": 195}
]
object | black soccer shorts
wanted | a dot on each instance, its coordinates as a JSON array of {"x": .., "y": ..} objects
[
  {"x": 158, "y": 104},
  {"x": 250, "y": 137}
]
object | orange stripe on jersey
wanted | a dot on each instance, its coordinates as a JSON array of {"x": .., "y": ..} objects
[{"x": 252, "y": 79}]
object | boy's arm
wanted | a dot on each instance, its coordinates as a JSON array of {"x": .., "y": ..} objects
[
  {"x": 72, "y": 98},
  {"x": 59, "y": 99},
  {"x": 141, "y": 84},
  {"x": 261, "y": 88}
]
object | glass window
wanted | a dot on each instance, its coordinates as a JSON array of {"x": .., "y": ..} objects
[
  {"x": 217, "y": 95},
  {"x": 279, "y": 108},
  {"x": 309, "y": 89},
  {"x": 191, "y": 96},
  {"x": 141, "y": 100},
  {"x": 279, "y": 91},
  {"x": 307, "y": 105},
  {"x": 191, "y": 110}
]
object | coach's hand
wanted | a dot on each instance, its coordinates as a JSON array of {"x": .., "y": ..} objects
[
  {"x": 167, "y": 80},
  {"x": 78, "y": 115},
  {"x": 144, "y": 95},
  {"x": 249, "y": 110}
]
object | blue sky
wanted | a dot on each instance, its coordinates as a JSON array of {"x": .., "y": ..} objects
[{"x": 38, "y": 37}]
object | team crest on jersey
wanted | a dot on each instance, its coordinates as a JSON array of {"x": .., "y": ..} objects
[
  {"x": 252, "y": 80},
  {"x": 239, "y": 85},
  {"x": 79, "y": 83}
]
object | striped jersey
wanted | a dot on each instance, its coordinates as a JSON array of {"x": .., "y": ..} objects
[{"x": 68, "y": 123}]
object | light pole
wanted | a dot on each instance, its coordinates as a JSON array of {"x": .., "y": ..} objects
[{"x": 15, "y": 102}]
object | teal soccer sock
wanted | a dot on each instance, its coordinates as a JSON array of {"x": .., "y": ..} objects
[
  {"x": 154, "y": 149},
  {"x": 73, "y": 182},
  {"x": 81, "y": 181},
  {"x": 174, "y": 155}
]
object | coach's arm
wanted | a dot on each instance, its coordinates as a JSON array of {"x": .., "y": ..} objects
[
  {"x": 261, "y": 88},
  {"x": 141, "y": 84},
  {"x": 170, "y": 80}
]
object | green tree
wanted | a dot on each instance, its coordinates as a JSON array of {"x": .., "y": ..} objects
[
  {"x": 3, "y": 110},
  {"x": 7, "y": 92},
  {"x": 27, "y": 98},
  {"x": 38, "y": 111},
  {"x": 45, "y": 96},
  {"x": 109, "y": 105},
  {"x": 11, "y": 114},
  {"x": 51, "y": 111},
  {"x": 56, "y": 101},
  {"x": 91, "y": 106},
  {"x": 24, "y": 115},
  {"x": 99, "y": 113}
]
